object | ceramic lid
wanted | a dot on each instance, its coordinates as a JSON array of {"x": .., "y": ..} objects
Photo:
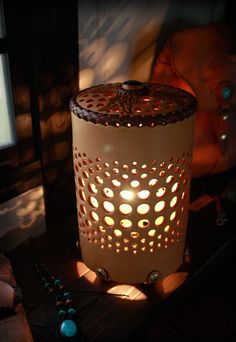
[{"x": 133, "y": 103}]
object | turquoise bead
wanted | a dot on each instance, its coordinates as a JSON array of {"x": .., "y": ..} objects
[
  {"x": 226, "y": 92},
  {"x": 71, "y": 311},
  {"x": 68, "y": 328},
  {"x": 67, "y": 294},
  {"x": 46, "y": 285},
  {"x": 61, "y": 313},
  {"x": 57, "y": 282}
]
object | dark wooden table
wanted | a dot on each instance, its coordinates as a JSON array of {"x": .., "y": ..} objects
[{"x": 196, "y": 303}]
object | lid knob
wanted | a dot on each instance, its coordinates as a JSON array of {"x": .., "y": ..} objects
[{"x": 132, "y": 85}]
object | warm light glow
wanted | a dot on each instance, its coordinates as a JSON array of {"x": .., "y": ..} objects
[
  {"x": 88, "y": 223},
  {"x": 159, "y": 206},
  {"x": 134, "y": 235},
  {"x": 126, "y": 223},
  {"x": 117, "y": 232},
  {"x": 36, "y": 194},
  {"x": 81, "y": 182},
  {"x": 169, "y": 179},
  {"x": 153, "y": 182},
  {"x": 152, "y": 232},
  {"x": 173, "y": 216},
  {"x": 115, "y": 170},
  {"x": 134, "y": 171},
  {"x": 111, "y": 60},
  {"x": 85, "y": 174},
  {"x": 116, "y": 183},
  {"x": 175, "y": 187},
  {"x": 126, "y": 194},
  {"x": 161, "y": 192},
  {"x": 86, "y": 77},
  {"x": 159, "y": 220},
  {"x": 25, "y": 212},
  {"x": 27, "y": 209},
  {"x": 125, "y": 209},
  {"x": 94, "y": 216},
  {"x": 82, "y": 269},
  {"x": 83, "y": 209},
  {"x": 92, "y": 188},
  {"x": 130, "y": 292},
  {"x": 59, "y": 121},
  {"x": 93, "y": 52},
  {"x": 99, "y": 180},
  {"x": 170, "y": 283},
  {"x": 109, "y": 221},
  {"x": 107, "y": 174},
  {"x": 82, "y": 195},
  {"x": 166, "y": 229},
  {"x": 108, "y": 192},
  {"x": 101, "y": 229},
  {"x": 173, "y": 201},
  {"x": 93, "y": 202},
  {"x": 143, "y": 209},
  {"x": 144, "y": 194},
  {"x": 143, "y": 223},
  {"x": 135, "y": 184},
  {"x": 108, "y": 206}
]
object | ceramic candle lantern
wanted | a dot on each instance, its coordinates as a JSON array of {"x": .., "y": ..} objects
[{"x": 132, "y": 146}]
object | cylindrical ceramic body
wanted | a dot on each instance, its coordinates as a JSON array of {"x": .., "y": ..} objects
[{"x": 132, "y": 186}]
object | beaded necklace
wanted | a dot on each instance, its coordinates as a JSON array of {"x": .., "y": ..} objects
[{"x": 63, "y": 300}]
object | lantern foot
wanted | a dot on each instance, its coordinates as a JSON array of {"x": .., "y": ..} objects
[
  {"x": 101, "y": 273},
  {"x": 153, "y": 276}
]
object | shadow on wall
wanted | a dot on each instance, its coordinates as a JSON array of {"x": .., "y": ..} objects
[
  {"x": 118, "y": 40},
  {"x": 21, "y": 218},
  {"x": 107, "y": 38}
]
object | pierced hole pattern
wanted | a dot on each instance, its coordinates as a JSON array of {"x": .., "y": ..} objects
[
  {"x": 132, "y": 207},
  {"x": 105, "y": 104}
]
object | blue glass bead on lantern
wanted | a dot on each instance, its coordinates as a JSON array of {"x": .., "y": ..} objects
[
  {"x": 68, "y": 328},
  {"x": 227, "y": 92}
]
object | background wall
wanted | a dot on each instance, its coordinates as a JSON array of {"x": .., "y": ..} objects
[{"x": 118, "y": 39}]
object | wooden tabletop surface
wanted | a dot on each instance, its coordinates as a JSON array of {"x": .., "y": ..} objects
[{"x": 194, "y": 303}]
